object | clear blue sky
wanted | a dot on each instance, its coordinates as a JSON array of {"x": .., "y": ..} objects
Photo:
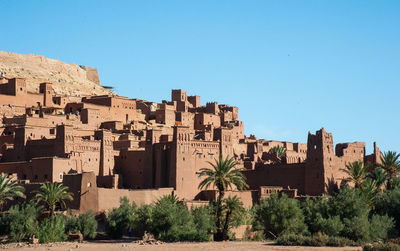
[{"x": 290, "y": 66}]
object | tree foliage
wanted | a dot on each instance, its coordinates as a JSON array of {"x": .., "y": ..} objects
[
  {"x": 278, "y": 215},
  {"x": 223, "y": 175},
  {"x": 52, "y": 230},
  {"x": 84, "y": 223},
  {"x": 121, "y": 218},
  {"x": 20, "y": 223},
  {"x": 51, "y": 194},
  {"x": 9, "y": 189},
  {"x": 357, "y": 172},
  {"x": 391, "y": 164},
  {"x": 279, "y": 150}
]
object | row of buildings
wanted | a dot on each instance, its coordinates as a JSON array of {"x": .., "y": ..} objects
[{"x": 105, "y": 147}]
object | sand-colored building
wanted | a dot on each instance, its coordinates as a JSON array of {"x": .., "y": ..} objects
[{"x": 105, "y": 147}]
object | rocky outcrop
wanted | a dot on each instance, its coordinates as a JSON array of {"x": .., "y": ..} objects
[{"x": 67, "y": 79}]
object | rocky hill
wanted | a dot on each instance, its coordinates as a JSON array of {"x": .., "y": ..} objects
[{"x": 67, "y": 79}]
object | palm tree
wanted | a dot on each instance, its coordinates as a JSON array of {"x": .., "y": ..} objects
[
  {"x": 51, "y": 194},
  {"x": 356, "y": 172},
  {"x": 379, "y": 175},
  {"x": 391, "y": 164},
  {"x": 232, "y": 205},
  {"x": 222, "y": 175},
  {"x": 169, "y": 198},
  {"x": 369, "y": 190},
  {"x": 279, "y": 150},
  {"x": 9, "y": 189}
]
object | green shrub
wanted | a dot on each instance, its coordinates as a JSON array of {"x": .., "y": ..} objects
[
  {"x": 382, "y": 227},
  {"x": 121, "y": 218},
  {"x": 291, "y": 240},
  {"x": 204, "y": 221},
  {"x": 357, "y": 228},
  {"x": 279, "y": 215},
  {"x": 173, "y": 222},
  {"x": 388, "y": 203},
  {"x": 21, "y": 222},
  {"x": 347, "y": 204},
  {"x": 335, "y": 241},
  {"x": 317, "y": 240},
  {"x": 318, "y": 219},
  {"x": 144, "y": 219},
  {"x": 381, "y": 247},
  {"x": 170, "y": 220},
  {"x": 52, "y": 230},
  {"x": 242, "y": 217},
  {"x": 344, "y": 214},
  {"x": 85, "y": 223}
]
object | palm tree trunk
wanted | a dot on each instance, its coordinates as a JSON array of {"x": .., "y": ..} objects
[
  {"x": 226, "y": 225},
  {"x": 52, "y": 209},
  {"x": 390, "y": 181},
  {"x": 218, "y": 236}
]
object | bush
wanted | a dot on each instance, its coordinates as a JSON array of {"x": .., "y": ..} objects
[
  {"x": 204, "y": 221},
  {"x": 381, "y": 247},
  {"x": 317, "y": 240},
  {"x": 357, "y": 228},
  {"x": 389, "y": 203},
  {"x": 278, "y": 215},
  {"x": 144, "y": 219},
  {"x": 121, "y": 218},
  {"x": 173, "y": 222},
  {"x": 382, "y": 227},
  {"x": 318, "y": 219},
  {"x": 21, "y": 222},
  {"x": 170, "y": 220},
  {"x": 335, "y": 241},
  {"x": 85, "y": 223},
  {"x": 52, "y": 230},
  {"x": 291, "y": 240},
  {"x": 347, "y": 204},
  {"x": 345, "y": 214},
  {"x": 241, "y": 217}
]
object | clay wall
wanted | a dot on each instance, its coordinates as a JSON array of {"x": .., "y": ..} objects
[
  {"x": 178, "y": 95},
  {"x": 283, "y": 175},
  {"x": 180, "y": 98},
  {"x": 85, "y": 192},
  {"x": 91, "y": 117},
  {"x": 130, "y": 165},
  {"x": 38, "y": 170},
  {"x": 185, "y": 119},
  {"x": 110, "y": 198},
  {"x": 212, "y": 107},
  {"x": 47, "y": 90},
  {"x": 202, "y": 120},
  {"x": 233, "y": 110},
  {"x": 194, "y": 101},
  {"x": 112, "y": 125},
  {"x": 376, "y": 157},
  {"x": 166, "y": 117},
  {"x": 191, "y": 156},
  {"x": 224, "y": 136},
  {"x": 248, "y": 197}
]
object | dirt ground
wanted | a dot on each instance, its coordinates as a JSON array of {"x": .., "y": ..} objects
[{"x": 206, "y": 246}]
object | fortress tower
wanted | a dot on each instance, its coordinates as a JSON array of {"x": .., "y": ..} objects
[
  {"x": 320, "y": 154},
  {"x": 47, "y": 90}
]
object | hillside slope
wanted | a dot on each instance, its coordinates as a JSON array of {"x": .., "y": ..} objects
[{"x": 67, "y": 79}]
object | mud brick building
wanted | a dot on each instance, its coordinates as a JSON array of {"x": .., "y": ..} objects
[{"x": 108, "y": 146}]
